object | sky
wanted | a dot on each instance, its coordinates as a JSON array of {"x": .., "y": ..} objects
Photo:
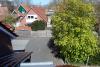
[{"x": 38, "y": 2}]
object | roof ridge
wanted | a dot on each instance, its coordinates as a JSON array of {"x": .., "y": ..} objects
[{"x": 40, "y": 15}]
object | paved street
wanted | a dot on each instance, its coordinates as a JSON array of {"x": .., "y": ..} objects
[
  {"x": 39, "y": 47},
  {"x": 41, "y": 52}
]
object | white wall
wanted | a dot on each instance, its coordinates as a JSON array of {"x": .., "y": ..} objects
[
  {"x": 30, "y": 20},
  {"x": 17, "y": 24}
]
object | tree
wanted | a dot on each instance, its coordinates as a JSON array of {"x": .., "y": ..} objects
[
  {"x": 54, "y": 4},
  {"x": 97, "y": 10},
  {"x": 10, "y": 19},
  {"x": 73, "y": 27}
]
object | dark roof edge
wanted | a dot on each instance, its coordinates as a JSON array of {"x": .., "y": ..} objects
[{"x": 8, "y": 30}]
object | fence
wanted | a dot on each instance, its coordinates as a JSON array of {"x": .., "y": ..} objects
[{"x": 40, "y": 33}]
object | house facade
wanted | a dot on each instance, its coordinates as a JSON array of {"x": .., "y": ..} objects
[
  {"x": 34, "y": 14},
  {"x": 30, "y": 17},
  {"x": 29, "y": 14}
]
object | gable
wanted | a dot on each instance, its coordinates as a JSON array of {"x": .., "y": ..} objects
[
  {"x": 35, "y": 12},
  {"x": 31, "y": 12},
  {"x": 30, "y": 17}
]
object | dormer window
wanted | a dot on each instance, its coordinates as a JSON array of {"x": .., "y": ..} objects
[
  {"x": 32, "y": 17},
  {"x": 28, "y": 17}
]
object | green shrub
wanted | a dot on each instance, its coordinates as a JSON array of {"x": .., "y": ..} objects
[{"x": 38, "y": 25}]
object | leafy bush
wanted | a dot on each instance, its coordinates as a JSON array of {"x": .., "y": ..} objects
[
  {"x": 95, "y": 60},
  {"x": 9, "y": 19},
  {"x": 38, "y": 25},
  {"x": 73, "y": 31}
]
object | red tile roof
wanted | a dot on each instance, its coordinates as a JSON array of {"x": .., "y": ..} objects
[
  {"x": 8, "y": 26},
  {"x": 23, "y": 28},
  {"x": 41, "y": 12}
]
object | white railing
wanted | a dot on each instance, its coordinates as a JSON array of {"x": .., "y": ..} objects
[{"x": 38, "y": 64}]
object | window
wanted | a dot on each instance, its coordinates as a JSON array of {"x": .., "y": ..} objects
[
  {"x": 28, "y": 17},
  {"x": 32, "y": 17},
  {"x": 35, "y": 18}
]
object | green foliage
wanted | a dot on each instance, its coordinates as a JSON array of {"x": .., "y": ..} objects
[
  {"x": 38, "y": 25},
  {"x": 95, "y": 60},
  {"x": 9, "y": 19},
  {"x": 73, "y": 31}
]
